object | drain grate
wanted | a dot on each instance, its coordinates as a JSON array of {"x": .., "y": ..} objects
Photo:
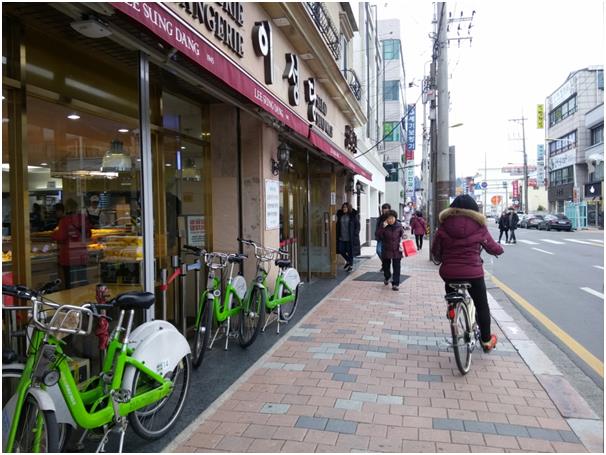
[{"x": 377, "y": 276}]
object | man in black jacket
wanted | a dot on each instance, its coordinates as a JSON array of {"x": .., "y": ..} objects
[{"x": 513, "y": 220}]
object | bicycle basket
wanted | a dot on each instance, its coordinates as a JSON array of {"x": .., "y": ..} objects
[{"x": 67, "y": 319}]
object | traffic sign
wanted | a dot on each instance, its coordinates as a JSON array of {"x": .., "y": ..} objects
[
  {"x": 484, "y": 185},
  {"x": 496, "y": 200}
]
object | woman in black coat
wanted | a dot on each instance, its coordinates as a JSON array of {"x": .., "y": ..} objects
[
  {"x": 391, "y": 232},
  {"x": 348, "y": 234},
  {"x": 503, "y": 227}
]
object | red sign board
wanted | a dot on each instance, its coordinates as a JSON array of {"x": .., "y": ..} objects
[{"x": 515, "y": 191}]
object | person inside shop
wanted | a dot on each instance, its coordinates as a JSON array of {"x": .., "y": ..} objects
[
  {"x": 348, "y": 234},
  {"x": 93, "y": 211},
  {"x": 36, "y": 220},
  {"x": 72, "y": 235}
]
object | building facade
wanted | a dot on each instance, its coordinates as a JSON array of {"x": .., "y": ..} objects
[
  {"x": 394, "y": 103},
  {"x": 166, "y": 124},
  {"x": 369, "y": 195},
  {"x": 574, "y": 139}
]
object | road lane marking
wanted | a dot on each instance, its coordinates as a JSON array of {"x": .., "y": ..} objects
[
  {"x": 595, "y": 240},
  {"x": 583, "y": 242},
  {"x": 528, "y": 242},
  {"x": 592, "y": 292},
  {"x": 570, "y": 342},
  {"x": 542, "y": 251},
  {"x": 599, "y": 267},
  {"x": 555, "y": 242}
]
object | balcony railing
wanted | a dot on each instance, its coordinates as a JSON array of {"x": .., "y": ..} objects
[
  {"x": 325, "y": 26},
  {"x": 354, "y": 83}
]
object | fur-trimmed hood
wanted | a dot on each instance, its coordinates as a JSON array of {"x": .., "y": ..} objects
[
  {"x": 476, "y": 216},
  {"x": 462, "y": 223}
]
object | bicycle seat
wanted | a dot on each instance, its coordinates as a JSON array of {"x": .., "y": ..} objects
[
  {"x": 9, "y": 356},
  {"x": 238, "y": 258},
  {"x": 459, "y": 286},
  {"x": 284, "y": 263},
  {"x": 135, "y": 300}
]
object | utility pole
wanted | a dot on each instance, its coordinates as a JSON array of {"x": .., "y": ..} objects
[
  {"x": 443, "y": 159},
  {"x": 485, "y": 181},
  {"x": 525, "y": 189}
]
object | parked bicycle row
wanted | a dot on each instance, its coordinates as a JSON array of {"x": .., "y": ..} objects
[{"x": 146, "y": 371}]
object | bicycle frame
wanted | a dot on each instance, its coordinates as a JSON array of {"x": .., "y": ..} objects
[{"x": 117, "y": 359}]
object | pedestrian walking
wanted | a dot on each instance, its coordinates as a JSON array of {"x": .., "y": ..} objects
[
  {"x": 391, "y": 233},
  {"x": 458, "y": 242},
  {"x": 348, "y": 234},
  {"x": 503, "y": 227},
  {"x": 513, "y": 220},
  {"x": 418, "y": 226},
  {"x": 384, "y": 209}
]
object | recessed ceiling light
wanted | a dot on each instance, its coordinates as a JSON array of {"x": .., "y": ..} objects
[
  {"x": 123, "y": 130},
  {"x": 73, "y": 116},
  {"x": 183, "y": 147},
  {"x": 43, "y": 164},
  {"x": 168, "y": 165}
]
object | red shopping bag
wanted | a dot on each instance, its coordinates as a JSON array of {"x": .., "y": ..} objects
[{"x": 409, "y": 247}]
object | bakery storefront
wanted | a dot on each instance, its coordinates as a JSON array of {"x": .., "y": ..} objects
[{"x": 132, "y": 129}]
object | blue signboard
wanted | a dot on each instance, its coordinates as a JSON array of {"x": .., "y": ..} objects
[{"x": 411, "y": 132}]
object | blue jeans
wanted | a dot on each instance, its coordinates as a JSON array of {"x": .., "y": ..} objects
[{"x": 379, "y": 248}]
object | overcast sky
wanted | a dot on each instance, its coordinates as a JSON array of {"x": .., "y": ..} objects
[{"x": 521, "y": 52}]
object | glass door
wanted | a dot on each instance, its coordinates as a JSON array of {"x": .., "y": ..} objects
[{"x": 322, "y": 213}]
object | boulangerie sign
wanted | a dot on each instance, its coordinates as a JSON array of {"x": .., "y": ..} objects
[{"x": 167, "y": 24}]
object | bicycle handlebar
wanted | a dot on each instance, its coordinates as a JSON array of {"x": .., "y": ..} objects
[{"x": 261, "y": 252}]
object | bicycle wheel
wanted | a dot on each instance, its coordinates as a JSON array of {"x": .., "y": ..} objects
[
  {"x": 155, "y": 420},
  {"x": 252, "y": 317},
  {"x": 37, "y": 430},
  {"x": 460, "y": 328},
  {"x": 202, "y": 334},
  {"x": 287, "y": 310},
  {"x": 10, "y": 381}
]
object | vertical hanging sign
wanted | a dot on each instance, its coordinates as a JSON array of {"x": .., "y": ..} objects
[{"x": 411, "y": 132}]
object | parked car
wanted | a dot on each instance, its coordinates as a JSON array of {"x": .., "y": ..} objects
[
  {"x": 531, "y": 220},
  {"x": 558, "y": 221}
]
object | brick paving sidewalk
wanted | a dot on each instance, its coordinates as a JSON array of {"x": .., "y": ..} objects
[{"x": 369, "y": 370}]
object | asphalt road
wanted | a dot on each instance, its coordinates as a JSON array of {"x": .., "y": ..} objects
[{"x": 562, "y": 275}]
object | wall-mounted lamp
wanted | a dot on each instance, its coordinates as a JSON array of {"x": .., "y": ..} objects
[
  {"x": 283, "y": 162},
  {"x": 359, "y": 187}
]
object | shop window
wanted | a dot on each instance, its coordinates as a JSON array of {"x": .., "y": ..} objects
[{"x": 84, "y": 197}]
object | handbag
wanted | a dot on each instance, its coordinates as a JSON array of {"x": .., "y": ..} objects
[{"x": 409, "y": 248}]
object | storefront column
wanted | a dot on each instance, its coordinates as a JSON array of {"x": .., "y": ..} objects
[
  {"x": 147, "y": 202},
  {"x": 224, "y": 169},
  {"x": 18, "y": 159}
]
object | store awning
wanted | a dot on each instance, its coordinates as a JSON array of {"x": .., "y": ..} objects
[{"x": 156, "y": 18}]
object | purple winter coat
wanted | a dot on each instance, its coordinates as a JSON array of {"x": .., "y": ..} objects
[
  {"x": 458, "y": 243},
  {"x": 418, "y": 225},
  {"x": 391, "y": 236}
]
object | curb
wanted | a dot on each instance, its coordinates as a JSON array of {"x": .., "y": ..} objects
[
  {"x": 582, "y": 420},
  {"x": 189, "y": 430}
]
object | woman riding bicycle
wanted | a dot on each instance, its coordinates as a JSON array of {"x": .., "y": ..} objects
[{"x": 457, "y": 245}]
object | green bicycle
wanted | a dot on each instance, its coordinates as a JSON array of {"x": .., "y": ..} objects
[
  {"x": 283, "y": 301},
  {"x": 212, "y": 308},
  {"x": 144, "y": 380}
]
